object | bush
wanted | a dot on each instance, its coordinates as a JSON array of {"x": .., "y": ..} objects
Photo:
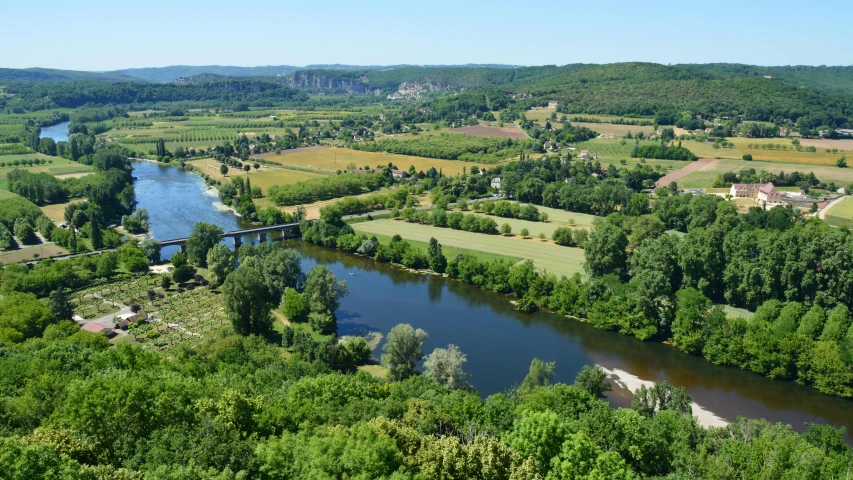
[
  {"x": 563, "y": 236},
  {"x": 747, "y": 157},
  {"x": 183, "y": 273}
]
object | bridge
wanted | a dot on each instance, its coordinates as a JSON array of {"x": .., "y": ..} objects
[{"x": 261, "y": 232}]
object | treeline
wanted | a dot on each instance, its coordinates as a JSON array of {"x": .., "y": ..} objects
[
  {"x": 782, "y": 179},
  {"x": 326, "y": 188},
  {"x": 240, "y": 409},
  {"x": 614, "y": 121},
  {"x": 450, "y": 147},
  {"x": 40, "y": 96},
  {"x": 663, "y": 152}
]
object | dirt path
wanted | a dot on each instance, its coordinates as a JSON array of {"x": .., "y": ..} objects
[{"x": 684, "y": 171}]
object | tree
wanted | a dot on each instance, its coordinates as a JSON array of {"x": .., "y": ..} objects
[
  {"x": 541, "y": 373},
  {"x": 60, "y": 304},
  {"x": 506, "y": 229},
  {"x": 402, "y": 350},
  {"x": 841, "y": 162},
  {"x": 592, "y": 379},
  {"x": 24, "y": 231},
  {"x": 661, "y": 396},
  {"x": 151, "y": 248},
  {"x": 203, "y": 237},
  {"x": 183, "y": 273},
  {"x": 437, "y": 260},
  {"x": 322, "y": 322},
  {"x": 525, "y": 233},
  {"x": 244, "y": 297},
  {"x": 247, "y": 167},
  {"x": 323, "y": 291},
  {"x": 95, "y": 235},
  {"x": 282, "y": 269},
  {"x": 220, "y": 263},
  {"x": 604, "y": 252},
  {"x": 179, "y": 259},
  {"x": 444, "y": 365},
  {"x": 165, "y": 282},
  {"x": 295, "y": 307}
]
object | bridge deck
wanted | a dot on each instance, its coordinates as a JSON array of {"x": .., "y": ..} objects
[{"x": 236, "y": 233}]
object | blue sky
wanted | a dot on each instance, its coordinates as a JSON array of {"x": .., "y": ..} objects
[{"x": 106, "y": 35}]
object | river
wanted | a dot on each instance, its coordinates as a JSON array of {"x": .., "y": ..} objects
[
  {"x": 499, "y": 341},
  {"x": 58, "y": 132}
]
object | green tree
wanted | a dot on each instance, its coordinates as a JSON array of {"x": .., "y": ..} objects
[
  {"x": 25, "y": 232},
  {"x": 60, "y": 304},
  {"x": 203, "y": 237},
  {"x": 506, "y": 229},
  {"x": 811, "y": 325},
  {"x": 151, "y": 248},
  {"x": 402, "y": 350},
  {"x": 220, "y": 263},
  {"x": 837, "y": 324},
  {"x": 541, "y": 373},
  {"x": 444, "y": 365},
  {"x": 323, "y": 291},
  {"x": 437, "y": 260},
  {"x": 244, "y": 297},
  {"x": 24, "y": 313},
  {"x": 525, "y": 233},
  {"x": 282, "y": 269},
  {"x": 538, "y": 435},
  {"x": 593, "y": 380},
  {"x": 605, "y": 252},
  {"x": 661, "y": 396},
  {"x": 95, "y": 235},
  {"x": 295, "y": 308}
]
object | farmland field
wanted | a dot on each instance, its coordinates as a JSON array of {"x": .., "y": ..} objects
[
  {"x": 56, "y": 212},
  {"x": 618, "y": 130},
  {"x": 339, "y": 158},
  {"x": 27, "y": 252},
  {"x": 265, "y": 177},
  {"x": 705, "y": 176},
  {"x": 841, "y": 214},
  {"x": 451, "y": 252},
  {"x": 60, "y": 166},
  {"x": 846, "y": 144},
  {"x": 485, "y": 131},
  {"x": 546, "y": 256}
]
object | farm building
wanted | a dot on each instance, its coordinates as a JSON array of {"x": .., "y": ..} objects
[
  {"x": 766, "y": 193},
  {"x": 94, "y": 327},
  {"x": 584, "y": 154}
]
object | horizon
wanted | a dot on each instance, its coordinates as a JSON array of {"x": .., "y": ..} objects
[
  {"x": 117, "y": 36},
  {"x": 402, "y": 65}
]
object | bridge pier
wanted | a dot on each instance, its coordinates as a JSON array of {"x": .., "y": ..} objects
[
  {"x": 262, "y": 237},
  {"x": 237, "y": 242},
  {"x": 183, "y": 248}
]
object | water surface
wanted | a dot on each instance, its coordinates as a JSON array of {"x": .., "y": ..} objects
[
  {"x": 499, "y": 341},
  {"x": 58, "y": 132}
]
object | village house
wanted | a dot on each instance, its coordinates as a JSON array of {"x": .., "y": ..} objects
[
  {"x": 496, "y": 183},
  {"x": 607, "y": 135},
  {"x": 552, "y": 104},
  {"x": 584, "y": 154},
  {"x": 769, "y": 194}
]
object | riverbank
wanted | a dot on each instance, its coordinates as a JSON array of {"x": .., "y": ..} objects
[{"x": 628, "y": 383}]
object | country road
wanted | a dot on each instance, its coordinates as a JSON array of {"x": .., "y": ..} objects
[{"x": 822, "y": 214}]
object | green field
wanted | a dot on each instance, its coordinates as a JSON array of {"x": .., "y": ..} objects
[
  {"x": 265, "y": 177},
  {"x": 60, "y": 166},
  {"x": 566, "y": 217},
  {"x": 545, "y": 255},
  {"x": 705, "y": 177},
  {"x": 841, "y": 214},
  {"x": 448, "y": 251}
]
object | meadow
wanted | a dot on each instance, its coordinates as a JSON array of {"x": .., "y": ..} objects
[
  {"x": 705, "y": 176},
  {"x": 545, "y": 255},
  {"x": 59, "y": 167},
  {"x": 618, "y": 130},
  {"x": 339, "y": 158},
  {"x": 265, "y": 177},
  {"x": 841, "y": 214}
]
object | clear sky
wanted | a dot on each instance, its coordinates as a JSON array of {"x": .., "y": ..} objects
[{"x": 107, "y": 35}]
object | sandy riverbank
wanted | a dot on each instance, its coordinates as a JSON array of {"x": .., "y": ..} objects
[{"x": 626, "y": 381}]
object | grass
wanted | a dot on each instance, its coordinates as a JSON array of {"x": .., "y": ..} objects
[
  {"x": 60, "y": 166},
  {"x": 448, "y": 251},
  {"x": 56, "y": 212},
  {"x": 618, "y": 130},
  {"x": 732, "y": 312},
  {"x": 567, "y": 218},
  {"x": 841, "y": 214},
  {"x": 339, "y": 158},
  {"x": 265, "y": 177},
  {"x": 705, "y": 177},
  {"x": 378, "y": 371},
  {"x": 546, "y": 256},
  {"x": 26, "y": 253},
  {"x": 535, "y": 228}
]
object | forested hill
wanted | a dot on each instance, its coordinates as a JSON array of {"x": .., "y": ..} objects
[
  {"x": 658, "y": 90},
  {"x": 52, "y": 75},
  {"x": 224, "y": 90},
  {"x": 831, "y": 79}
]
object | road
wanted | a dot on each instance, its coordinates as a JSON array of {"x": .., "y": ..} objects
[{"x": 822, "y": 213}]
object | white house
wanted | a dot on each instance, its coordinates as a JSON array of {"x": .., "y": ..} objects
[{"x": 496, "y": 183}]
